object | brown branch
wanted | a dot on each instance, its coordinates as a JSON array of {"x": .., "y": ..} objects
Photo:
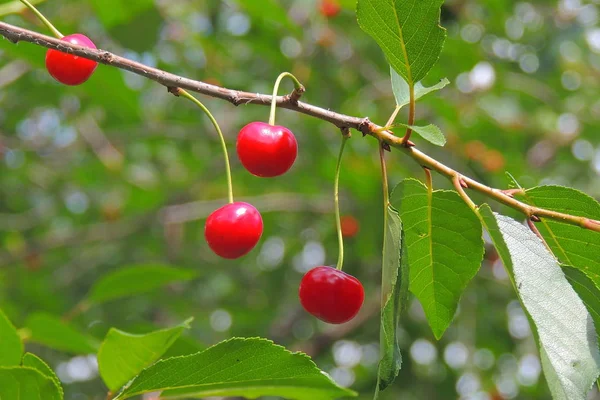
[{"x": 236, "y": 97}]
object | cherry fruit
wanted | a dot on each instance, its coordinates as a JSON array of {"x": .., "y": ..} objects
[
  {"x": 233, "y": 230},
  {"x": 68, "y": 68},
  {"x": 331, "y": 295},
  {"x": 266, "y": 150}
]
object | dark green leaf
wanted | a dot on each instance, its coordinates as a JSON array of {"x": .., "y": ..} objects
[
  {"x": 402, "y": 91},
  {"x": 568, "y": 344},
  {"x": 407, "y": 31},
  {"x": 237, "y": 367},
  {"x": 129, "y": 281},
  {"x": 11, "y": 347},
  {"x": 33, "y": 361},
  {"x": 123, "y": 355},
  {"x": 25, "y": 383},
  {"x": 394, "y": 291},
  {"x": 50, "y": 331},
  {"x": 444, "y": 247}
]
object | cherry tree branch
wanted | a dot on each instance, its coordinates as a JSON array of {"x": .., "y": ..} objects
[{"x": 291, "y": 102}]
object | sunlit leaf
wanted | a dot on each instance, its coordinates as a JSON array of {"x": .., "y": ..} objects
[
  {"x": 444, "y": 245},
  {"x": 572, "y": 245},
  {"x": 237, "y": 367},
  {"x": 33, "y": 361},
  {"x": 407, "y": 31},
  {"x": 568, "y": 344},
  {"x": 25, "y": 383},
  {"x": 123, "y": 355},
  {"x": 431, "y": 133}
]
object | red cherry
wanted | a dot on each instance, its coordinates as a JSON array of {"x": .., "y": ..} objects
[
  {"x": 68, "y": 68},
  {"x": 331, "y": 295},
  {"x": 266, "y": 150},
  {"x": 329, "y": 8},
  {"x": 233, "y": 230}
]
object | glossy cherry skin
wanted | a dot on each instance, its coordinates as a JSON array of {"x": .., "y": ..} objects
[
  {"x": 331, "y": 295},
  {"x": 233, "y": 230},
  {"x": 68, "y": 68},
  {"x": 266, "y": 150}
]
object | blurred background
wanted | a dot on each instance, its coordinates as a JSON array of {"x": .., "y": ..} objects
[{"x": 118, "y": 172}]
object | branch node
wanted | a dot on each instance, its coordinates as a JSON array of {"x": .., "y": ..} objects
[
  {"x": 409, "y": 143},
  {"x": 107, "y": 57},
  {"x": 463, "y": 183},
  {"x": 296, "y": 94},
  {"x": 386, "y": 146},
  {"x": 346, "y": 132},
  {"x": 365, "y": 126},
  {"x": 174, "y": 90},
  {"x": 534, "y": 218},
  {"x": 513, "y": 192}
]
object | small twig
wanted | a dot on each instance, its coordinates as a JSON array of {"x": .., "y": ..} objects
[{"x": 535, "y": 230}]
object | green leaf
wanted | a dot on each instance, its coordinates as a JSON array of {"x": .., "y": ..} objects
[
  {"x": 33, "y": 361},
  {"x": 123, "y": 355},
  {"x": 431, "y": 133},
  {"x": 571, "y": 244},
  {"x": 402, "y": 91},
  {"x": 25, "y": 383},
  {"x": 407, "y": 31},
  {"x": 588, "y": 293},
  {"x": 11, "y": 347},
  {"x": 394, "y": 290},
  {"x": 135, "y": 280},
  {"x": 568, "y": 345},
  {"x": 50, "y": 331},
  {"x": 444, "y": 246},
  {"x": 269, "y": 11},
  {"x": 237, "y": 367},
  {"x": 116, "y": 12}
]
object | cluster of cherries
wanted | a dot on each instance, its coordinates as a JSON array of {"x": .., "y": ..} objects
[{"x": 265, "y": 150}]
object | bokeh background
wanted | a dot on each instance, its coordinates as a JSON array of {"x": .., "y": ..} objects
[{"x": 118, "y": 172}]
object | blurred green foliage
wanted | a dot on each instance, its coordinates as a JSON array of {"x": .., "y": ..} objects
[{"x": 119, "y": 172}]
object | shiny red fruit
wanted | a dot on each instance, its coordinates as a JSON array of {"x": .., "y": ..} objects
[
  {"x": 68, "y": 68},
  {"x": 266, "y": 150},
  {"x": 331, "y": 295},
  {"x": 329, "y": 8},
  {"x": 233, "y": 230}
]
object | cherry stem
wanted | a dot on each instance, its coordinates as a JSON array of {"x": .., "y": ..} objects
[
  {"x": 297, "y": 85},
  {"x": 393, "y": 117},
  {"x": 411, "y": 114},
  {"x": 336, "y": 197},
  {"x": 52, "y": 28},
  {"x": 223, "y": 145},
  {"x": 384, "y": 179}
]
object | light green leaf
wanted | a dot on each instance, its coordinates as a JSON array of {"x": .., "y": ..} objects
[
  {"x": 444, "y": 246},
  {"x": 33, "y": 361},
  {"x": 237, "y": 367},
  {"x": 407, "y": 31},
  {"x": 572, "y": 245},
  {"x": 402, "y": 91},
  {"x": 123, "y": 355},
  {"x": 25, "y": 383},
  {"x": 134, "y": 280},
  {"x": 588, "y": 293},
  {"x": 568, "y": 344},
  {"x": 394, "y": 295},
  {"x": 11, "y": 347},
  {"x": 15, "y": 7},
  {"x": 431, "y": 133},
  {"x": 50, "y": 331}
]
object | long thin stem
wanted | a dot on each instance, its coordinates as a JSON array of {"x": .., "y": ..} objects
[
  {"x": 236, "y": 97},
  {"x": 297, "y": 85},
  {"x": 336, "y": 198},
  {"x": 52, "y": 28},
  {"x": 221, "y": 137},
  {"x": 393, "y": 116},
  {"x": 384, "y": 179}
]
